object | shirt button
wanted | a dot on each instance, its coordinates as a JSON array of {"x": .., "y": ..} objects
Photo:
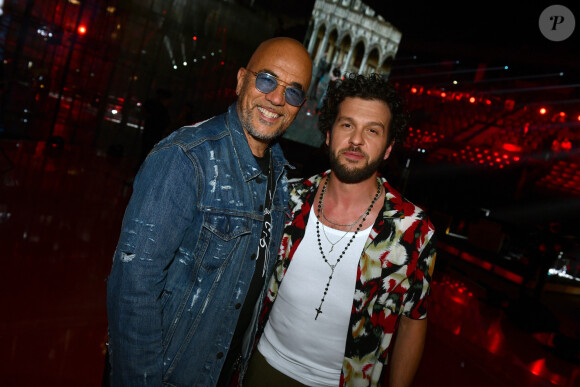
[
  {"x": 238, "y": 305},
  {"x": 253, "y": 257},
  {"x": 220, "y": 355}
]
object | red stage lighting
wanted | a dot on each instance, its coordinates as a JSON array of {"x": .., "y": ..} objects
[{"x": 82, "y": 29}]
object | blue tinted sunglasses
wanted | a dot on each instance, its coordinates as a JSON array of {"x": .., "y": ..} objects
[{"x": 267, "y": 83}]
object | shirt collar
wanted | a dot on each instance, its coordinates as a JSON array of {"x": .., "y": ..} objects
[{"x": 395, "y": 205}]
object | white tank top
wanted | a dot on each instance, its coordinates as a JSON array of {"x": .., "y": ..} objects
[{"x": 308, "y": 350}]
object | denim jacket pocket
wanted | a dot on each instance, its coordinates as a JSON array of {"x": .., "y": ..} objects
[{"x": 219, "y": 238}]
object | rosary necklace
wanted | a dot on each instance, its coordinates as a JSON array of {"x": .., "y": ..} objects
[{"x": 332, "y": 267}]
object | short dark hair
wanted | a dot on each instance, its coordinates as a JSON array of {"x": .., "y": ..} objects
[{"x": 368, "y": 87}]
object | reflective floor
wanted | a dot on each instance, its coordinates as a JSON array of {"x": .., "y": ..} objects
[{"x": 60, "y": 213}]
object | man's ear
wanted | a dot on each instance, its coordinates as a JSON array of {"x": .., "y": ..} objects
[
  {"x": 328, "y": 138},
  {"x": 388, "y": 151},
  {"x": 241, "y": 76}
]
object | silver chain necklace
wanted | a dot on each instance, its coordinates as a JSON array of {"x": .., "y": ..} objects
[
  {"x": 332, "y": 244},
  {"x": 332, "y": 267},
  {"x": 338, "y": 224},
  {"x": 350, "y": 226}
]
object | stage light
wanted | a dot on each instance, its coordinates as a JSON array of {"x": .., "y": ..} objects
[{"x": 82, "y": 29}]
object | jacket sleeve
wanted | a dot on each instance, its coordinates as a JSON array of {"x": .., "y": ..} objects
[{"x": 159, "y": 212}]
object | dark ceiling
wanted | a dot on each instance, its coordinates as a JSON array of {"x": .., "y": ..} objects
[{"x": 494, "y": 32}]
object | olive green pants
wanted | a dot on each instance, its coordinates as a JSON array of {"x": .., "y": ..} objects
[{"x": 262, "y": 374}]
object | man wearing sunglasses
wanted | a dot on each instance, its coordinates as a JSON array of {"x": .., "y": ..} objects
[{"x": 202, "y": 230}]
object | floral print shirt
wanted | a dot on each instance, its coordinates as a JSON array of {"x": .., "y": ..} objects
[{"x": 393, "y": 278}]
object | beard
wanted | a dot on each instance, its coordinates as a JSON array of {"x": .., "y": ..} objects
[
  {"x": 246, "y": 120},
  {"x": 350, "y": 174}
]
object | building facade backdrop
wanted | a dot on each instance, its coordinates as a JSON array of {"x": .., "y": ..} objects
[{"x": 349, "y": 35}]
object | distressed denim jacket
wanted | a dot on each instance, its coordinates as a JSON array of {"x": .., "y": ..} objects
[{"x": 186, "y": 254}]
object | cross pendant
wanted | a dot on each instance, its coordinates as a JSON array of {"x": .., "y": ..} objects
[
  {"x": 318, "y": 311},
  {"x": 330, "y": 251}
]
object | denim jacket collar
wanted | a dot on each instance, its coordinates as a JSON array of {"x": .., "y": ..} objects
[{"x": 247, "y": 162}]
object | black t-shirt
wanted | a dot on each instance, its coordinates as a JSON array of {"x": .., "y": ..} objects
[{"x": 258, "y": 278}]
